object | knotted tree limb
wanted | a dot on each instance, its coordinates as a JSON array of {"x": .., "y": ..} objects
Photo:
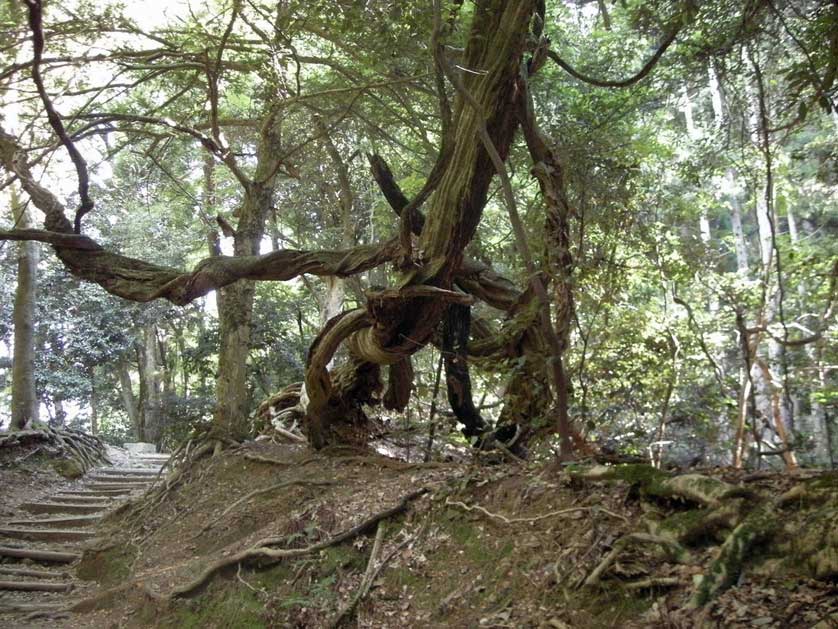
[
  {"x": 397, "y": 327},
  {"x": 142, "y": 281},
  {"x": 473, "y": 276}
]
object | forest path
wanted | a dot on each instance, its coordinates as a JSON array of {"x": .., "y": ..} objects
[{"x": 40, "y": 544}]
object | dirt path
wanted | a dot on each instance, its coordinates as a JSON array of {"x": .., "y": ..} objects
[{"x": 41, "y": 539}]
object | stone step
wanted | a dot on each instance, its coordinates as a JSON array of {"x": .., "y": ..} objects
[
  {"x": 47, "y": 535},
  {"x": 63, "y": 507},
  {"x": 57, "y": 556},
  {"x": 131, "y": 487},
  {"x": 81, "y": 500},
  {"x": 31, "y": 608},
  {"x": 35, "y": 586},
  {"x": 73, "y": 520},
  {"x": 31, "y": 572},
  {"x": 125, "y": 480},
  {"x": 126, "y": 471},
  {"x": 105, "y": 493}
]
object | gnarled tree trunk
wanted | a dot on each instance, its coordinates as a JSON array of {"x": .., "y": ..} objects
[{"x": 399, "y": 322}]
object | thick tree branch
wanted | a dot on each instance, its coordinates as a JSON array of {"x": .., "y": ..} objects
[
  {"x": 67, "y": 241},
  {"x": 142, "y": 281},
  {"x": 473, "y": 276}
]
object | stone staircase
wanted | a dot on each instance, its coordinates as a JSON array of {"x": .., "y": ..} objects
[{"x": 39, "y": 547}]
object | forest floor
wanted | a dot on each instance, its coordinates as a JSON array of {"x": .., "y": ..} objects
[{"x": 348, "y": 538}]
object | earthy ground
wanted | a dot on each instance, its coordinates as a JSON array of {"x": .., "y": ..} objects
[{"x": 485, "y": 545}]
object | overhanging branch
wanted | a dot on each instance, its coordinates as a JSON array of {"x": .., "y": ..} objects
[{"x": 142, "y": 281}]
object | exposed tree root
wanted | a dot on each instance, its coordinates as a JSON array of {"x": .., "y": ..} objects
[
  {"x": 180, "y": 464},
  {"x": 259, "y": 492},
  {"x": 654, "y": 582},
  {"x": 84, "y": 451},
  {"x": 270, "y": 461},
  {"x": 752, "y": 518},
  {"x": 263, "y": 548},
  {"x": 366, "y": 581},
  {"x": 505, "y": 520},
  {"x": 726, "y": 568}
]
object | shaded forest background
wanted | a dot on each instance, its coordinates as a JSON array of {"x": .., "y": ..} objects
[{"x": 702, "y": 217}]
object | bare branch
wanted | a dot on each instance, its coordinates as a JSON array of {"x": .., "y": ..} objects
[
  {"x": 208, "y": 143},
  {"x": 36, "y": 24}
]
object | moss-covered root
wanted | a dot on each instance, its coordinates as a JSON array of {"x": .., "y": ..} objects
[
  {"x": 697, "y": 488},
  {"x": 726, "y": 568},
  {"x": 653, "y": 483}
]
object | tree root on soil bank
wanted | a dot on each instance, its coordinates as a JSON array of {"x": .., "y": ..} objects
[
  {"x": 740, "y": 518},
  {"x": 180, "y": 463},
  {"x": 83, "y": 451},
  {"x": 537, "y": 518},
  {"x": 675, "y": 550},
  {"x": 366, "y": 581},
  {"x": 262, "y": 549},
  {"x": 259, "y": 492},
  {"x": 257, "y": 458}
]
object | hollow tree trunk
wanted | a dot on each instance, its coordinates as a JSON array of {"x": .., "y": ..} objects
[{"x": 24, "y": 398}]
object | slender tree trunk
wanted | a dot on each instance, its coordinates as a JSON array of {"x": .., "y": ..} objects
[
  {"x": 94, "y": 403},
  {"x": 777, "y": 416},
  {"x": 739, "y": 242},
  {"x": 60, "y": 417},
  {"x": 129, "y": 402},
  {"x": 151, "y": 383},
  {"x": 332, "y": 302},
  {"x": 235, "y": 305},
  {"x": 694, "y": 134},
  {"x": 24, "y": 397}
]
